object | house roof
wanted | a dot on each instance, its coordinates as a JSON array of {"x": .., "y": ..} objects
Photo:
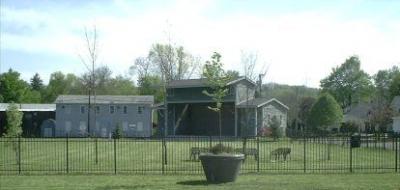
[
  {"x": 396, "y": 102},
  {"x": 360, "y": 112},
  {"x": 259, "y": 102},
  {"x": 30, "y": 107},
  {"x": 105, "y": 99},
  {"x": 202, "y": 82}
]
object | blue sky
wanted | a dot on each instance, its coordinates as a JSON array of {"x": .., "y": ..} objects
[{"x": 300, "y": 40}]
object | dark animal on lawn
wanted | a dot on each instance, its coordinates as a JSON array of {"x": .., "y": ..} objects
[
  {"x": 279, "y": 153},
  {"x": 195, "y": 152}
]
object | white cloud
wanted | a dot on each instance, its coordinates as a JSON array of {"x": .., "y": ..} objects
[{"x": 297, "y": 46}]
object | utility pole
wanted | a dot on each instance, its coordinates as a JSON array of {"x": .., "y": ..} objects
[{"x": 260, "y": 76}]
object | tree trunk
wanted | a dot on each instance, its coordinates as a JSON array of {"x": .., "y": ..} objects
[{"x": 180, "y": 117}]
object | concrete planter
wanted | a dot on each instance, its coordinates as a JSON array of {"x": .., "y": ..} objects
[{"x": 221, "y": 168}]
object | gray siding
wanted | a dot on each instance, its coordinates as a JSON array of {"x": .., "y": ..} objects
[
  {"x": 71, "y": 121},
  {"x": 244, "y": 92},
  {"x": 270, "y": 110}
]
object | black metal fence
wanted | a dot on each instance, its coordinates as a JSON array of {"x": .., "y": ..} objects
[{"x": 180, "y": 154}]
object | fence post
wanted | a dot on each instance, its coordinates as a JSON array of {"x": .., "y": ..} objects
[
  {"x": 351, "y": 156},
  {"x": 165, "y": 151},
  {"x": 397, "y": 154},
  {"x": 115, "y": 155},
  {"x": 66, "y": 154},
  {"x": 19, "y": 155},
  {"x": 258, "y": 154},
  {"x": 96, "y": 151},
  {"x": 162, "y": 155},
  {"x": 304, "y": 153}
]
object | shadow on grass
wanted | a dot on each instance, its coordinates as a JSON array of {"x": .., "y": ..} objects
[
  {"x": 193, "y": 182},
  {"x": 120, "y": 187}
]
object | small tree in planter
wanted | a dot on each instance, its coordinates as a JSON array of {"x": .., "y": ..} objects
[
  {"x": 13, "y": 129},
  {"x": 221, "y": 164},
  {"x": 217, "y": 79}
]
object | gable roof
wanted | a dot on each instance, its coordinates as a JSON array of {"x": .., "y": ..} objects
[
  {"x": 396, "y": 102},
  {"x": 105, "y": 99},
  {"x": 30, "y": 107},
  {"x": 359, "y": 112},
  {"x": 259, "y": 102},
  {"x": 202, "y": 82}
]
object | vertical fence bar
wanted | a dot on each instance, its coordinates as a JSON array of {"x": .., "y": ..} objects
[
  {"x": 351, "y": 157},
  {"x": 115, "y": 155},
  {"x": 304, "y": 154},
  {"x": 162, "y": 155},
  {"x": 397, "y": 154},
  {"x": 258, "y": 154},
  {"x": 96, "y": 151},
  {"x": 19, "y": 155},
  {"x": 66, "y": 154}
]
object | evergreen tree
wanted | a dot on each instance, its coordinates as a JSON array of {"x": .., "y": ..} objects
[{"x": 36, "y": 83}]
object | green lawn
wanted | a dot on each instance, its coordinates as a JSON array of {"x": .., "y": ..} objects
[
  {"x": 145, "y": 156},
  {"x": 246, "y": 181}
]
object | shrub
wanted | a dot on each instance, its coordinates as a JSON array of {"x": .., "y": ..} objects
[
  {"x": 275, "y": 127},
  {"x": 220, "y": 148},
  {"x": 349, "y": 127},
  {"x": 118, "y": 133},
  {"x": 264, "y": 131}
]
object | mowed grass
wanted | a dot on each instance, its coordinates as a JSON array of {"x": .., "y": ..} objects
[
  {"x": 86, "y": 155},
  {"x": 244, "y": 181}
]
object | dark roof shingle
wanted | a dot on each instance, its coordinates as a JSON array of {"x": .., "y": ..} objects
[
  {"x": 105, "y": 99},
  {"x": 202, "y": 82}
]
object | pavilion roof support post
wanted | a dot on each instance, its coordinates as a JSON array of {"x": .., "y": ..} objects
[
  {"x": 255, "y": 123},
  {"x": 178, "y": 122},
  {"x": 236, "y": 115}
]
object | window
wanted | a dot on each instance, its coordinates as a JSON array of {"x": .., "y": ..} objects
[
  {"x": 97, "y": 109},
  {"x": 140, "y": 109},
  {"x": 280, "y": 117},
  {"x": 82, "y": 109},
  {"x": 125, "y": 109},
  {"x": 112, "y": 109}
]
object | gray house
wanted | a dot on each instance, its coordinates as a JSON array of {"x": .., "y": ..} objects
[
  {"x": 242, "y": 113},
  {"x": 131, "y": 113}
]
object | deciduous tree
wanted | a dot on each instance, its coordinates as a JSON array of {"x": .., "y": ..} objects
[
  {"x": 325, "y": 113},
  {"x": 347, "y": 83},
  {"x": 217, "y": 80}
]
